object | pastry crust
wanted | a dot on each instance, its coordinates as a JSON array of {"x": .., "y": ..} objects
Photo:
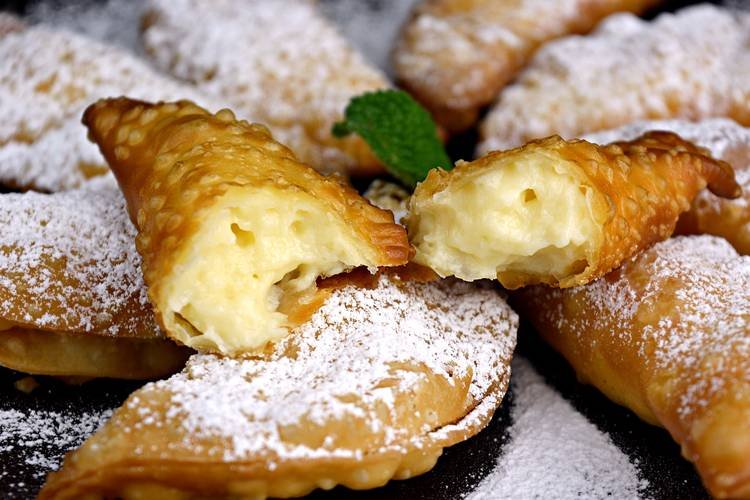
[
  {"x": 233, "y": 230},
  {"x": 726, "y": 140},
  {"x": 668, "y": 336},
  {"x": 371, "y": 389},
  {"x": 72, "y": 298},
  {"x": 689, "y": 65},
  {"x": 456, "y": 55},
  {"x": 47, "y": 79},
  {"x": 277, "y": 62},
  {"x": 558, "y": 212}
]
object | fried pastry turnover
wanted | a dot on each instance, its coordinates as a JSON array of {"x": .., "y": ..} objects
[
  {"x": 726, "y": 140},
  {"x": 372, "y": 388},
  {"x": 233, "y": 230},
  {"x": 47, "y": 78},
  {"x": 668, "y": 336},
  {"x": 72, "y": 298},
  {"x": 277, "y": 62},
  {"x": 558, "y": 212},
  {"x": 689, "y": 65},
  {"x": 456, "y": 55}
]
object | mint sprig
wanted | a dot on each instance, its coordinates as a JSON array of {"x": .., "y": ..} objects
[{"x": 399, "y": 131}]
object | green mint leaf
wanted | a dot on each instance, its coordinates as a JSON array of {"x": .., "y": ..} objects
[{"x": 399, "y": 131}]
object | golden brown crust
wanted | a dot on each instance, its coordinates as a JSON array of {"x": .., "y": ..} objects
[
  {"x": 373, "y": 388},
  {"x": 456, "y": 55},
  {"x": 641, "y": 187},
  {"x": 668, "y": 336}
]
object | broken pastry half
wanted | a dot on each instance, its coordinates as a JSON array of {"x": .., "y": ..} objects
[
  {"x": 47, "y": 78},
  {"x": 558, "y": 212},
  {"x": 668, "y": 336},
  {"x": 372, "y": 388},
  {"x": 72, "y": 298},
  {"x": 233, "y": 230},
  {"x": 726, "y": 140}
]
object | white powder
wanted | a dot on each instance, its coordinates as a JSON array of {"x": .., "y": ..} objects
[
  {"x": 555, "y": 452},
  {"x": 38, "y": 439}
]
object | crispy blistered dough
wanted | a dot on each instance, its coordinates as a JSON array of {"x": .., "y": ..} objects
[
  {"x": 668, "y": 336},
  {"x": 277, "y": 62},
  {"x": 456, "y": 55},
  {"x": 558, "y": 212},
  {"x": 233, "y": 230},
  {"x": 72, "y": 297},
  {"x": 726, "y": 140},
  {"x": 693, "y": 64},
  {"x": 371, "y": 389}
]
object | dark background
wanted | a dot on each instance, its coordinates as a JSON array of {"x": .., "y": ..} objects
[{"x": 460, "y": 469}]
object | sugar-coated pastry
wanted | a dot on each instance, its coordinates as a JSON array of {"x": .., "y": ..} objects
[
  {"x": 233, "y": 230},
  {"x": 47, "y": 78},
  {"x": 726, "y": 140},
  {"x": 277, "y": 62},
  {"x": 668, "y": 336},
  {"x": 72, "y": 298},
  {"x": 558, "y": 212},
  {"x": 690, "y": 65},
  {"x": 372, "y": 388},
  {"x": 456, "y": 55}
]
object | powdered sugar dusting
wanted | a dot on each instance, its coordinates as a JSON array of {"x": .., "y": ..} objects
[
  {"x": 47, "y": 79},
  {"x": 68, "y": 262},
  {"x": 39, "y": 438},
  {"x": 555, "y": 452},
  {"x": 278, "y": 62},
  {"x": 685, "y": 65},
  {"x": 705, "y": 283},
  {"x": 363, "y": 350}
]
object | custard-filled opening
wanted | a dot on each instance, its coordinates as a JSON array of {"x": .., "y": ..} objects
[
  {"x": 257, "y": 255},
  {"x": 526, "y": 214}
]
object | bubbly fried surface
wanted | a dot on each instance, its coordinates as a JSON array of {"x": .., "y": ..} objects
[
  {"x": 371, "y": 389},
  {"x": 47, "y": 78},
  {"x": 668, "y": 336},
  {"x": 726, "y": 140},
  {"x": 456, "y": 55},
  {"x": 689, "y": 65},
  {"x": 277, "y": 62},
  {"x": 233, "y": 230},
  {"x": 558, "y": 212},
  {"x": 72, "y": 297}
]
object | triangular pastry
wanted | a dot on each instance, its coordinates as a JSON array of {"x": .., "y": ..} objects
[
  {"x": 277, "y": 62},
  {"x": 558, "y": 212},
  {"x": 72, "y": 298},
  {"x": 668, "y": 336},
  {"x": 233, "y": 230},
  {"x": 372, "y": 388}
]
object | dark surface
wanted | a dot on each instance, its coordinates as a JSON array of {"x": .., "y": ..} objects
[{"x": 461, "y": 467}]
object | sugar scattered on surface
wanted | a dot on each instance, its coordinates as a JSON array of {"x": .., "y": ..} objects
[
  {"x": 389, "y": 196},
  {"x": 360, "y": 353},
  {"x": 68, "y": 261},
  {"x": 685, "y": 65},
  {"x": 38, "y": 439},
  {"x": 554, "y": 451}
]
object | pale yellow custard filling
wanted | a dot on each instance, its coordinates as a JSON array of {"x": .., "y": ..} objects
[
  {"x": 526, "y": 214},
  {"x": 256, "y": 248}
]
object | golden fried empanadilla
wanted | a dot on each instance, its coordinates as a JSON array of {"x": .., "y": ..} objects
[
  {"x": 72, "y": 298},
  {"x": 233, "y": 230},
  {"x": 668, "y": 336},
  {"x": 456, "y": 55},
  {"x": 558, "y": 212},
  {"x": 47, "y": 78},
  {"x": 372, "y": 388},
  {"x": 726, "y": 140},
  {"x": 277, "y": 62}
]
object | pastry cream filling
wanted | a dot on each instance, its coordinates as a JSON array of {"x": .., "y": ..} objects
[
  {"x": 529, "y": 215},
  {"x": 256, "y": 250}
]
